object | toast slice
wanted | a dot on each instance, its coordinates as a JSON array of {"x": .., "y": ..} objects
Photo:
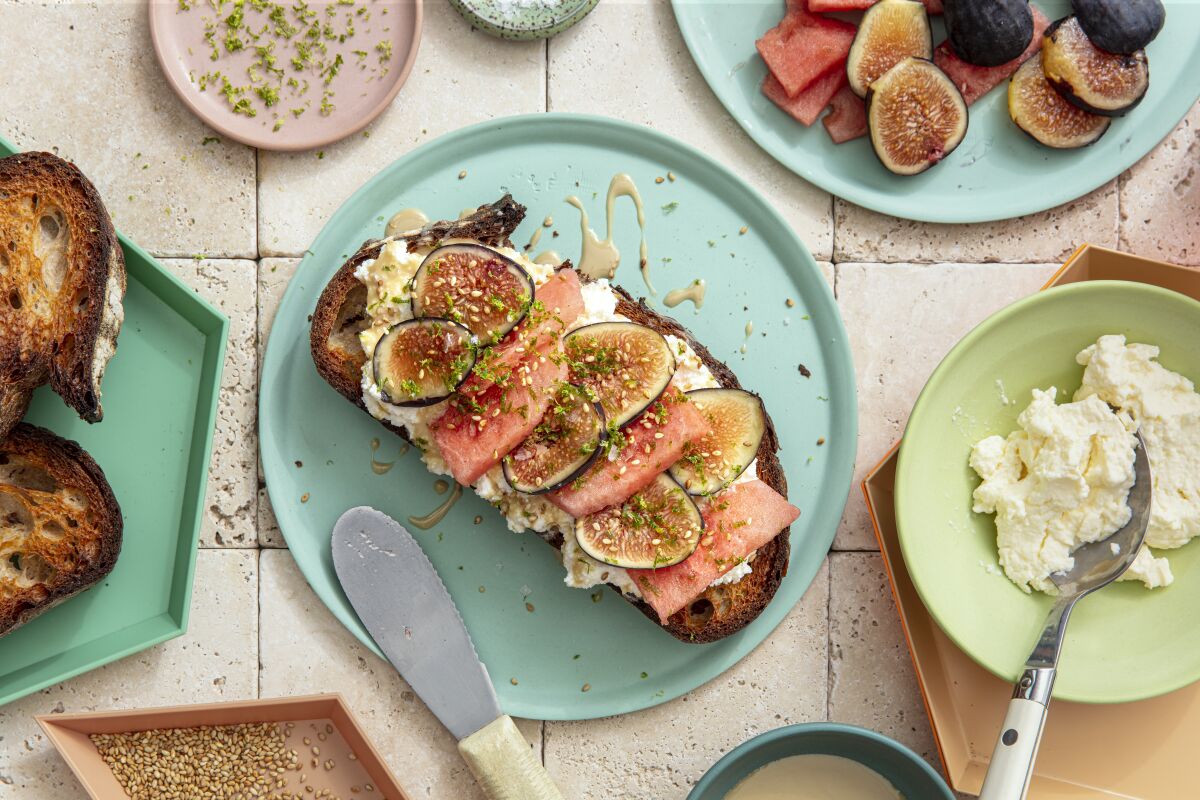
[
  {"x": 62, "y": 280},
  {"x": 341, "y": 314},
  {"x": 60, "y": 525}
]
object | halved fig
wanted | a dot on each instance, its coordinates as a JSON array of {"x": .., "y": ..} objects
[
  {"x": 716, "y": 460},
  {"x": 624, "y": 366},
  {"x": 889, "y": 31},
  {"x": 657, "y": 527},
  {"x": 475, "y": 286},
  {"x": 916, "y": 116},
  {"x": 421, "y": 361},
  {"x": 1042, "y": 112},
  {"x": 1088, "y": 77},
  {"x": 564, "y": 444},
  {"x": 1120, "y": 26}
]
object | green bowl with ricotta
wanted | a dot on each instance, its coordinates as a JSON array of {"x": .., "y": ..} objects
[{"x": 1125, "y": 642}]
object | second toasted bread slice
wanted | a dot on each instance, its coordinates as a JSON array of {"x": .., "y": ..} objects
[
  {"x": 62, "y": 281},
  {"x": 60, "y": 525}
]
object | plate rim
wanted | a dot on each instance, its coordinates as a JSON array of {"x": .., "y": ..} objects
[
  {"x": 974, "y": 212},
  {"x": 280, "y": 144},
  {"x": 213, "y": 325},
  {"x": 840, "y": 470},
  {"x": 904, "y": 477}
]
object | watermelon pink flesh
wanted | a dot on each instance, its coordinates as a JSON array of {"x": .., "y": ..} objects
[
  {"x": 558, "y": 302},
  {"x": 737, "y": 521},
  {"x": 827, "y": 6},
  {"x": 803, "y": 47},
  {"x": 608, "y": 483},
  {"x": 473, "y": 440},
  {"x": 974, "y": 82},
  {"x": 808, "y": 105},
  {"x": 847, "y": 117}
]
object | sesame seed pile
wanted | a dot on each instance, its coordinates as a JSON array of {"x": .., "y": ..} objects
[{"x": 224, "y": 762}]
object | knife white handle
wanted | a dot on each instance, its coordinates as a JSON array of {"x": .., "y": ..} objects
[{"x": 503, "y": 763}]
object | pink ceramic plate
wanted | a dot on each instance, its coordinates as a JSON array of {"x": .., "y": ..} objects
[{"x": 286, "y": 75}]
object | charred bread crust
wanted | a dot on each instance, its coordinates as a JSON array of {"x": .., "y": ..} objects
[
  {"x": 65, "y": 333},
  {"x": 37, "y": 469},
  {"x": 721, "y": 610}
]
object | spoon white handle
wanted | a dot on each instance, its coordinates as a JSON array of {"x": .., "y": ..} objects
[{"x": 1012, "y": 760}]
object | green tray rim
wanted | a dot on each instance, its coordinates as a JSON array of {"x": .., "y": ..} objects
[
  {"x": 844, "y": 421},
  {"x": 211, "y": 322}
]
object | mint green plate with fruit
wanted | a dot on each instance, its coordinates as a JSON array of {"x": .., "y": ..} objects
[
  {"x": 997, "y": 172},
  {"x": 160, "y": 407},
  {"x": 1125, "y": 642},
  {"x": 554, "y": 652}
]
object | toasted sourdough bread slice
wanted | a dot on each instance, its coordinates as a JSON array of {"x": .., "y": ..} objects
[
  {"x": 341, "y": 314},
  {"x": 62, "y": 279},
  {"x": 60, "y": 525}
]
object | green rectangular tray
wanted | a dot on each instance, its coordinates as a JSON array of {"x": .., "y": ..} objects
[{"x": 160, "y": 405}]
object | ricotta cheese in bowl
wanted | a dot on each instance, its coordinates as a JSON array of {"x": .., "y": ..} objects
[
  {"x": 388, "y": 280},
  {"x": 1063, "y": 478}
]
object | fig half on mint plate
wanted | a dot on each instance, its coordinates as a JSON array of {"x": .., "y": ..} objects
[
  {"x": 890, "y": 30},
  {"x": 915, "y": 116},
  {"x": 1088, "y": 77}
]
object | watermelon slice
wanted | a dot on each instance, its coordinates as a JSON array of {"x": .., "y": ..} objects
[
  {"x": 477, "y": 431},
  {"x": 974, "y": 82},
  {"x": 808, "y": 105},
  {"x": 557, "y": 303},
  {"x": 828, "y": 6},
  {"x": 737, "y": 521},
  {"x": 655, "y": 441},
  {"x": 847, "y": 117},
  {"x": 803, "y": 47}
]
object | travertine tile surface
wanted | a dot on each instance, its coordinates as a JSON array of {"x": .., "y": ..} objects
[
  {"x": 231, "y": 506},
  {"x": 82, "y": 80},
  {"x": 89, "y": 86},
  {"x": 629, "y": 61},
  {"x": 901, "y": 319}
]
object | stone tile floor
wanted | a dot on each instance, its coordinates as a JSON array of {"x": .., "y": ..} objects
[{"x": 232, "y": 223}]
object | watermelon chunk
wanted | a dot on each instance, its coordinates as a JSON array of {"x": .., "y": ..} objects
[
  {"x": 828, "y": 6},
  {"x": 973, "y": 81},
  {"x": 737, "y": 521},
  {"x": 643, "y": 459},
  {"x": 803, "y": 47},
  {"x": 557, "y": 303},
  {"x": 475, "y": 432},
  {"x": 808, "y": 105},
  {"x": 847, "y": 117}
]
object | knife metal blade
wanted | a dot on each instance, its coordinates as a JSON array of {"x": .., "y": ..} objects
[{"x": 403, "y": 603}]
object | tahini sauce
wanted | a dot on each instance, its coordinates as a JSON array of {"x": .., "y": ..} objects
[{"x": 814, "y": 777}]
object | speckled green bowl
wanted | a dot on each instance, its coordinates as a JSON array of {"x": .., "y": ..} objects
[
  {"x": 907, "y": 771},
  {"x": 523, "y": 19}
]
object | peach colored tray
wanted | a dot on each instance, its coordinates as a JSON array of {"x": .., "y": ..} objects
[
  {"x": 70, "y": 735},
  {"x": 1134, "y": 751}
]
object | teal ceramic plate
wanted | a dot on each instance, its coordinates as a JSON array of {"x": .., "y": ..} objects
[
  {"x": 160, "y": 401},
  {"x": 903, "y": 768},
  {"x": 996, "y": 173},
  {"x": 1124, "y": 642},
  {"x": 542, "y": 654}
]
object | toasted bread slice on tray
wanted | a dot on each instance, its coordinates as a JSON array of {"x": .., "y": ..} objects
[
  {"x": 60, "y": 525},
  {"x": 341, "y": 314},
  {"x": 62, "y": 280}
]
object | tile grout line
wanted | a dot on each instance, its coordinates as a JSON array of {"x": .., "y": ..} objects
[{"x": 829, "y": 637}]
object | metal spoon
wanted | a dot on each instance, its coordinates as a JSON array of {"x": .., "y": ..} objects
[{"x": 1096, "y": 566}]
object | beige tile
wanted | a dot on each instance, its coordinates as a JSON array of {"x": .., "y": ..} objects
[
  {"x": 661, "y": 752},
  {"x": 86, "y": 84},
  {"x": 1160, "y": 198},
  {"x": 628, "y": 60},
  {"x": 901, "y": 319},
  {"x": 862, "y": 235},
  {"x": 273, "y": 277},
  {"x": 216, "y": 660},
  {"x": 305, "y": 646},
  {"x": 871, "y": 678},
  {"x": 231, "y": 510},
  {"x": 461, "y": 77}
]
